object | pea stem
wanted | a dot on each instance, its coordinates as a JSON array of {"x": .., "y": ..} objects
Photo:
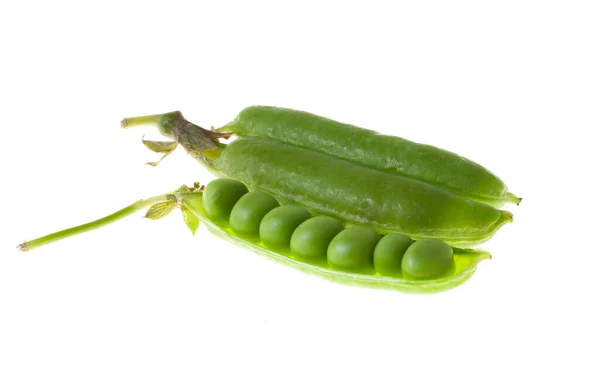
[
  {"x": 145, "y": 120},
  {"x": 202, "y": 144},
  {"x": 124, "y": 212}
]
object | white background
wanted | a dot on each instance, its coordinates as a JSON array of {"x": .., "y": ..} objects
[{"x": 513, "y": 85}]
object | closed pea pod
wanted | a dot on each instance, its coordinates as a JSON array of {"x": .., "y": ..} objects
[
  {"x": 368, "y": 148},
  {"x": 249, "y": 211},
  {"x": 311, "y": 239},
  {"x": 352, "y": 249},
  {"x": 277, "y": 227},
  {"x": 389, "y": 252}
]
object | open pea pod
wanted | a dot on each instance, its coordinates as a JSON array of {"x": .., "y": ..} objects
[
  {"x": 465, "y": 262},
  {"x": 189, "y": 200}
]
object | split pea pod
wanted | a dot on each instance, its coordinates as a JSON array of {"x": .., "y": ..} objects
[
  {"x": 365, "y": 147},
  {"x": 352, "y": 255}
]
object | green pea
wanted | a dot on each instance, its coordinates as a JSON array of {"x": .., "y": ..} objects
[
  {"x": 311, "y": 239},
  {"x": 219, "y": 197},
  {"x": 249, "y": 211},
  {"x": 278, "y": 225},
  {"x": 427, "y": 259},
  {"x": 352, "y": 249},
  {"x": 387, "y": 258}
]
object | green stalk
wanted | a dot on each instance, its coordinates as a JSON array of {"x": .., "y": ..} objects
[
  {"x": 146, "y": 120},
  {"x": 194, "y": 139},
  {"x": 136, "y": 206}
]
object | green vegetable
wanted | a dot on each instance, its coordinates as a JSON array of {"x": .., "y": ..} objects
[
  {"x": 390, "y": 154},
  {"x": 330, "y": 186},
  {"x": 311, "y": 239},
  {"x": 427, "y": 259},
  {"x": 387, "y": 258},
  {"x": 358, "y": 195},
  {"x": 219, "y": 198},
  {"x": 249, "y": 211},
  {"x": 277, "y": 227},
  {"x": 351, "y": 249}
]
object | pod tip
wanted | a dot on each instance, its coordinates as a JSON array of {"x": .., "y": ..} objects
[
  {"x": 514, "y": 199},
  {"x": 23, "y": 247},
  {"x": 509, "y": 216},
  {"x": 124, "y": 123}
]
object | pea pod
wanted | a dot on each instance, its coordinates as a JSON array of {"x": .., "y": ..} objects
[
  {"x": 190, "y": 201},
  {"x": 465, "y": 261},
  {"x": 386, "y": 153}
]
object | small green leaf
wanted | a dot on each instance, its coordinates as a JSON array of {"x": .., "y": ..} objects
[
  {"x": 194, "y": 189},
  {"x": 161, "y": 210},
  {"x": 183, "y": 189},
  {"x": 190, "y": 220},
  {"x": 160, "y": 147},
  {"x": 155, "y": 163}
]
